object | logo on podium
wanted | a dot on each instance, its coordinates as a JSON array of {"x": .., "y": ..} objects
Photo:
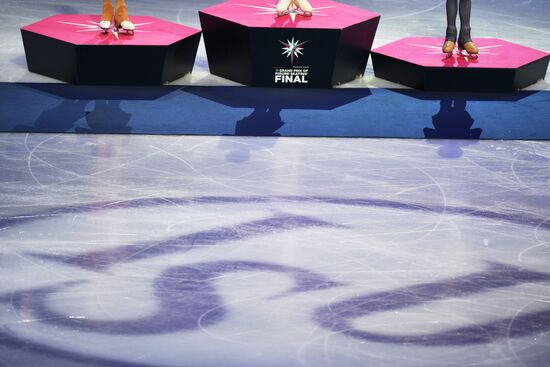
[{"x": 292, "y": 49}]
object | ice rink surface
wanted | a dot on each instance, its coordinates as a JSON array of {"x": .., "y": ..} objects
[
  {"x": 232, "y": 251},
  {"x": 153, "y": 251}
]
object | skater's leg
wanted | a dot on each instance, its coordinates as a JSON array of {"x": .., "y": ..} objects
[
  {"x": 121, "y": 16},
  {"x": 465, "y": 38},
  {"x": 305, "y": 6},
  {"x": 121, "y": 13},
  {"x": 108, "y": 10},
  {"x": 452, "y": 11},
  {"x": 282, "y": 7},
  {"x": 107, "y": 16},
  {"x": 465, "y": 29},
  {"x": 450, "y": 34}
]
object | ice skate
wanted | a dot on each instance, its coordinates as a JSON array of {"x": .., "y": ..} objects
[
  {"x": 282, "y": 7},
  {"x": 127, "y": 27},
  {"x": 470, "y": 48},
  {"x": 104, "y": 25},
  {"x": 122, "y": 21},
  {"x": 304, "y": 8},
  {"x": 448, "y": 48},
  {"x": 282, "y": 13},
  {"x": 107, "y": 16}
]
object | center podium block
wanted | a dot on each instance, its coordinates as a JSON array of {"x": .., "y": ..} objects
[{"x": 246, "y": 42}]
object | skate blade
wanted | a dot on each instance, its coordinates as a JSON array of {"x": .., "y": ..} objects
[
  {"x": 448, "y": 55},
  {"x": 129, "y": 32},
  {"x": 302, "y": 13},
  {"x": 466, "y": 54}
]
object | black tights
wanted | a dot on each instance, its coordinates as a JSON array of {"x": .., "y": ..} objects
[{"x": 465, "y": 29}]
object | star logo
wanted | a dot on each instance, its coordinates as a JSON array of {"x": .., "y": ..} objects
[
  {"x": 92, "y": 26},
  {"x": 293, "y": 10},
  {"x": 292, "y": 49}
]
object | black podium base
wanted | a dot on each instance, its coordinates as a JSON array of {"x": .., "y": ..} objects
[
  {"x": 73, "y": 49},
  {"x": 500, "y": 67},
  {"x": 246, "y": 42}
]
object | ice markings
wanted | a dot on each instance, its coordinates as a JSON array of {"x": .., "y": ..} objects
[
  {"x": 338, "y": 316},
  {"x": 193, "y": 295},
  {"x": 187, "y": 299},
  {"x": 100, "y": 260}
]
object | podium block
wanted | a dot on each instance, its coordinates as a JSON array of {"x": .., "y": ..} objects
[
  {"x": 418, "y": 62},
  {"x": 246, "y": 42},
  {"x": 71, "y": 48}
]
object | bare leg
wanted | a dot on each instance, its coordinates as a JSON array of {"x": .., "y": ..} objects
[
  {"x": 282, "y": 7},
  {"x": 305, "y": 6}
]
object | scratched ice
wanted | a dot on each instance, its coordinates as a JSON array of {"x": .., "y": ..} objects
[
  {"x": 201, "y": 251},
  {"x": 164, "y": 251}
]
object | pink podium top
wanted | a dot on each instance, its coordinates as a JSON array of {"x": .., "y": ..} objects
[
  {"x": 83, "y": 29},
  {"x": 493, "y": 53},
  {"x": 262, "y": 14}
]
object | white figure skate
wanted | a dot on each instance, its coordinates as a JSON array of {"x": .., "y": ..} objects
[
  {"x": 105, "y": 25},
  {"x": 282, "y": 7},
  {"x": 304, "y": 8},
  {"x": 127, "y": 27}
]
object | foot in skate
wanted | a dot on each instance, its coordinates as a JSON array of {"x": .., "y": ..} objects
[
  {"x": 121, "y": 18},
  {"x": 282, "y": 7},
  {"x": 305, "y": 7},
  {"x": 304, "y": 13},
  {"x": 127, "y": 26},
  {"x": 107, "y": 16},
  {"x": 448, "y": 48},
  {"x": 470, "y": 49},
  {"x": 105, "y": 25}
]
